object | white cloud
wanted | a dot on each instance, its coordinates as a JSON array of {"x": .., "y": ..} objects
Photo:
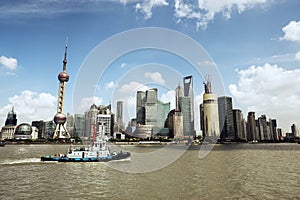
[
  {"x": 155, "y": 77},
  {"x": 10, "y": 63},
  {"x": 291, "y": 31},
  {"x": 147, "y": 5},
  {"x": 110, "y": 85},
  {"x": 204, "y": 12},
  {"x": 169, "y": 97},
  {"x": 132, "y": 87},
  {"x": 270, "y": 90},
  {"x": 123, "y": 65},
  {"x": 86, "y": 103},
  {"x": 31, "y": 106},
  {"x": 297, "y": 55}
]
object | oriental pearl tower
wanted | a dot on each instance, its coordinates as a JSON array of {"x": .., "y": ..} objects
[{"x": 60, "y": 118}]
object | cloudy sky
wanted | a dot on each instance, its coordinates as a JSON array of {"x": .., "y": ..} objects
[{"x": 254, "y": 44}]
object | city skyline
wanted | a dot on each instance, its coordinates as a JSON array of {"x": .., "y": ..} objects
[{"x": 257, "y": 59}]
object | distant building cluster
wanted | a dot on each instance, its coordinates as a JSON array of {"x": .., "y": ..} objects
[
  {"x": 154, "y": 119},
  {"x": 219, "y": 119}
]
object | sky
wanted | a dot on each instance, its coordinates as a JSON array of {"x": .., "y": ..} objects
[{"x": 249, "y": 49}]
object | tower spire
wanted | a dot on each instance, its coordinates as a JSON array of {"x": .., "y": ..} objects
[{"x": 65, "y": 57}]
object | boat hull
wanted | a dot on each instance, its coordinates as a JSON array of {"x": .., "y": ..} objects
[{"x": 119, "y": 156}]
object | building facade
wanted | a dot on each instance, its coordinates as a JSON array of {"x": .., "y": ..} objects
[
  {"x": 79, "y": 125},
  {"x": 120, "y": 122},
  {"x": 40, "y": 125},
  {"x": 226, "y": 118},
  {"x": 251, "y": 127},
  {"x": 239, "y": 125}
]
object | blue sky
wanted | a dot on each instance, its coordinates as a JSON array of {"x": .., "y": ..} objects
[{"x": 255, "y": 45}]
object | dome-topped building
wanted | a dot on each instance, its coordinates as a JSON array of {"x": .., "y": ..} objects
[{"x": 23, "y": 132}]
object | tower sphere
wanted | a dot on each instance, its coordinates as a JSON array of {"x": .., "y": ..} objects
[
  {"x": 60, "y": 118},
  {"x": 63, "y": 76}
]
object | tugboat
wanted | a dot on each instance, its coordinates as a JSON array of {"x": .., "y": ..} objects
[{"x": 96, "y": 152}]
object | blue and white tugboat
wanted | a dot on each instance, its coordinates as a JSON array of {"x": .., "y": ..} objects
[{"x": 96, "y": 152}]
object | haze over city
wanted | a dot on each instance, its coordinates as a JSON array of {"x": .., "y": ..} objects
[{"x": 255, "y": 45}]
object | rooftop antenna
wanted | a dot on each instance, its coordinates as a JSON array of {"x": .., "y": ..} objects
[
  {"x": 65, "y": 57},
  {"x": 207, "y": 84}
]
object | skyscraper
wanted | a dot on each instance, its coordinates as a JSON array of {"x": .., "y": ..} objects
[
  {"x": 189, "y": 92},
  {"x": 295, "y": 131},
  {"x": 79, "y": 125},
  {"x": 11, "y": 119},
  {"x": 70, "y": 124},
  {"x": 90, "y": 121},
  {"x": 179, "y": 93},
  {"x": 151, "y": 107},
  {"x": 185, "y": 109},
  {"x": 210, "y": 113},
  {"x": 120, "y": 122},
  {"x": 226, "y": 118},
  {"x": 40, "y": 125},
  {"x": 274, "y": 129},
  {"x": 140, "y": 107},
  {"x": 263, "y": 130},
  {"x": 238, "y": 124},
  {"x": 150, "y": 111},
  {"x": 251, "y": 127}
]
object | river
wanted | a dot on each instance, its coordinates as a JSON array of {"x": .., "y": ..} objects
[{"x": 230, "y": 171}]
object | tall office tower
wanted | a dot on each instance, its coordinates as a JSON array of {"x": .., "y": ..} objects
[
  {"x": 49, "y": 128},
  {"x": 201, "y": 110},
  {"x": 279, "y": 132},
  {"x": 251, "y": 127},
  {"x": 60, "y": 118},
  {"x": 11, "y": 119},
  {"x": 179, "y": 93},
  {"x": 175, "y": 124},
  {"x": 295, "y": 131},
  {"x": 244, "y": 129},
  {"x": 238, "y": 123},
  {"x": 226, "y": 118},
  {"x": 188, "y": 92},
  {"x": 70, "y": 124},
  {"x": 210, "y": 113},
  {"x": 90, "y": 121},
  {"x": 274, "y": 129},
  {"x": 185, "y": 108},
  {"x": 40, "y": 125},
  {"x": 120, "y": 121},
  {"x": 162, "y": 113},
  {"x": 140, "y": 107},
  {"x": 263, "y": 128},
  {"x": 151, "y": 107},
  {"x": 150, "y": 111},
  {"x": 79, "y": 125}
]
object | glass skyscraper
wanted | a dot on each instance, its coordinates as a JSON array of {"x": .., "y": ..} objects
[
  {"x": 188, "y": 93},
  {"x": 226, "y": 118}
]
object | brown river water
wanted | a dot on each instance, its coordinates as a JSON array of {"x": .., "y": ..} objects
[{"x": 230, "y": 171}]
